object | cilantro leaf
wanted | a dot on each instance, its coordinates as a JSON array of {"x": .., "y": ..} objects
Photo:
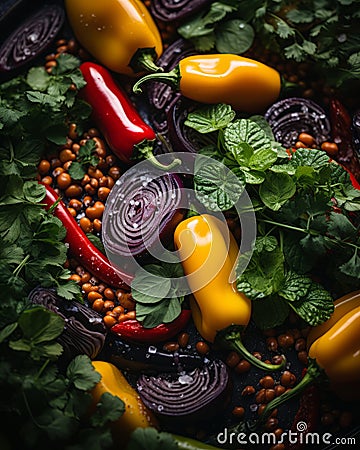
[
  {"x": 109, "y": 409},
  {"x": 82, "y": 374},
  {"x": 276, "y": 190},
  {"x": 151, "y": 439},
  {"x": 234, "y": 36}
]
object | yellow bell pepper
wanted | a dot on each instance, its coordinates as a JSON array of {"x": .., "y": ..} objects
[
  {"x": 120, "y": 34},
  {"x": 136, "y": 415},
  {"x": 245, "y": 84},
  {"x": 219, "y": 311},
  {"x": 334, "y": 354}
]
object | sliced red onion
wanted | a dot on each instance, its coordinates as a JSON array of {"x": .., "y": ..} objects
[
  {"x": 170, "y": 10},
  {"x": 182, "y": 138},
  {"x": 187, "y": 396},
  {"x": 84, "y": 331},
  {"x": 31, "y": 38},
  {"x": 292, "y": 116},
  {"x": 141, "y": 213}
]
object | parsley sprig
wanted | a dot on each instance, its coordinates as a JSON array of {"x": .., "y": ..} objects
[{"x": 301, "y": 237}]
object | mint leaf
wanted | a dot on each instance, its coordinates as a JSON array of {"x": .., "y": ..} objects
[
  {"x": 82, "y": 374},
  {"x": 217, "y": 187},
  {"x": 270, "y": 312},
  {"x": 262, "y": 159},
  {"x": 276, "y": 190},
  {"x": 316, "y": 307},
  {"x": 148, "y": 287},
  {"x": 295, "y": 286},
  {"x": 210, "y": 118},
  {"x": 162, "y": 312},
  {"x": 245, "y": 131}
]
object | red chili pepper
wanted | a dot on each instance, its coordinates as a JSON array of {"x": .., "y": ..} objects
[
  {"x": 132, "y": 330},
  {"x": 341, "y": 134},
  {"x": 113, "y": 112},
  {"x": 82, "y": 249}
]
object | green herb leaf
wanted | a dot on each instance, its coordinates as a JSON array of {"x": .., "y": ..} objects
[
  {"x": 217, "y": 187},
  {"x": 82, "y": 374},
  {"x": 109, "y": 409},
  {"x": 234, "y": 36},
  {"x": 295, "y": 286},
  {"x": 40, "y": 325},
  {"x": 151, "y": 439},
  {"x": 210, "y": 118},
  {"x": 270, "y": 312},
  {"x": 276, "y": 190},
  {"x": 316, "y": 307},
  {"x": 245, "y": 131}
]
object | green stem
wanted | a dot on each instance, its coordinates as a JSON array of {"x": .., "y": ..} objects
[
  {"x": 144, "y": 60},
  {"x": 171, "y": 78},
  {"x": 21, "y": 265},
  {"x": 308, "y": 231},
  {"x": 42, "y": 368},
  {"x": 152, "y": 159},
  {"x": 313, "y": 373},
  {"x": 230, "y": 338}
]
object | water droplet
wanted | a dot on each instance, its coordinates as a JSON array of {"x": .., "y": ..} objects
[{"x": 342, "y": 37}]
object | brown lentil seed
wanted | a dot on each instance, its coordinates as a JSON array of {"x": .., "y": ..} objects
[
  {"x": 43, "y": 167},
  {"x": 93, "y": 172},
  {"x": 74, "y": 190},
  {"x": 171, "y": 347},
  {"x": 286, "y": 340},
  {"x": 272, "y": 344},
  {"x": 63, "y": 180},
  {"x": 86, "y": 225},
  {"x": 265, "y": 395},
  {"x": 47, "y": 180},
  {"x": 307, "y": 139},
  {"x": 88, "y": 287},
  {"x": 238, "y": 411},
  {"x": 202, "y": 348},
  {"x": 114, "y": 172},
  {"x": 303, "y": 357},
  {"x": 300, "y": 144},
  {"x": 72, "y": 131},
  {"x": 102, "y": 288},
  {"x": 243, "y": 366},
  {"x": 89, "y": 189},
  {"x": 93, "y": 132},
  {"x": 108, "y": 305},
  {"x": 232, "y": 359},
  {"x": 183, "y": 339},
  {"x": 109, "y": 294},
  {"x": 85, "y": 277},
  {"x": 257, "y": 355},
  {"x": 103, "y": 193},
  {"x": 97, "y": 225},
  {"x": 267, "y": 382},
  {"x": 66, "y": 155},
  {"x": 72, "y": 211},
  {"x": 248, "y": 390},
  {"x": 93, "y": 295},
  {"x": 300, "y": 344},
  {"x": 118, "y": 310},
  {"x": 98, "y": 305},
  {"x": 287, "y": 379},
  {"x": 279, "y": 389},
  {"x": 330, "y": 148},
  {"x": 75, "y": 277},
  {"x": 87, "y": 200},
  {"x": 271, "y": 424},
  {"x": 76, "y": 204},
  {"x": 109, "y": 321}
]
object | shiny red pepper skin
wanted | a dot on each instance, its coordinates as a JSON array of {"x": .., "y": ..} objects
[
  {"x": 341, "y": 134},
  {"x": 132, "y": 330},
  {"x": 82, "y": 249},
  {"x": 112, "y": 112}
]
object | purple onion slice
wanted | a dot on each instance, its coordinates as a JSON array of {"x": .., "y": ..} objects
[
  {"x": 292, "y": 116},
  {"x": 141, "y": 213},
  {"x": 31, "y": 38},
  {"x": 170, "y": 10},
  {"x": 182, "y": 138},
  {"x": 187, "y": 396},
  {"x": 84, "y": 331}
]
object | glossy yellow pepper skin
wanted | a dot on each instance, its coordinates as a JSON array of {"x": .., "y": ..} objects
[
  {"x": 136, "y": 414},
  {"x": 334, "y": 354},
  {"x": 113, "y": 31},
  {"x": 208, "y": 253},
  {"x": 245, "y": 84},
  {"x": 216, "y": 303}
]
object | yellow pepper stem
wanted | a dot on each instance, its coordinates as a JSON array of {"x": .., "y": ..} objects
[
  {"x": 145, "y": 150},
  {"x": 144, "y": 59},
  {"x": 171, "y": 78},
  {"x": 313, "y": 373},
  {"x": 230, "y": 337}
]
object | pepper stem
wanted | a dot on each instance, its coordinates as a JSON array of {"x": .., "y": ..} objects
[
  {"x": 231, "y": 338},
  {"x": 144, "y": 60},
  {"x": 171, "y": 78},
  {"x": 145, "y": 150},
  {"x": 313, "y": 372}
]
